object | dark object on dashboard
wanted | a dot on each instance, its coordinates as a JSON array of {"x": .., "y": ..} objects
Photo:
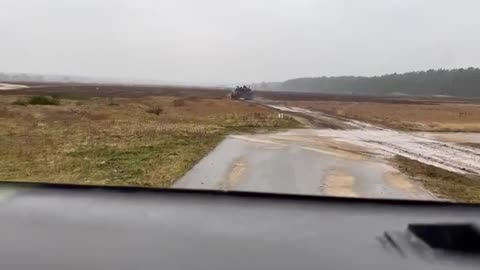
[{"x": 452, "y": 237}]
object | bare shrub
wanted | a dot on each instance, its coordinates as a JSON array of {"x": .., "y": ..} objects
[
  {"x": 155, "y": 110},
  {"x": 179, "y": 102},
  {"x": 111, "y": 102},
  {"x": 43, "y": 100}
]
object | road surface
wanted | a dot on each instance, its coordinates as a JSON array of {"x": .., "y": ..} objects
[{"x": 294, "y": 162}]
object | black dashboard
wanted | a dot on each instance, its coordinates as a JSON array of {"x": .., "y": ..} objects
[{"x": 48, "y": 227}]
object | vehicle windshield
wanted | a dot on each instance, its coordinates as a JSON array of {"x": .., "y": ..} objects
[{"x": 363, "y": 99}]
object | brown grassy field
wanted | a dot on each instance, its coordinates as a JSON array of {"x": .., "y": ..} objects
[
  {"x": 128, "y": 140},
  {"x": 312, "y": 96},
  {"x": 109, "y": 90},
  {"x": 445, "y": 184},
  {"x": 424, "y": 116}
]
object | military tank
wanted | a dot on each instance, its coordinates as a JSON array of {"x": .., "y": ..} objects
[{"x": 242, "y": 93}]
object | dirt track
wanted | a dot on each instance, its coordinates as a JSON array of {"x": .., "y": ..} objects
[{"x": 387, "y": 142}]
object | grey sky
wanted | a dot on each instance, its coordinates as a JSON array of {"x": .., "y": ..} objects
[{"x": 222, "y": 41}]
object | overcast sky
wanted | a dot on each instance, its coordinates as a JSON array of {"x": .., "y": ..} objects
[{"x": 222, "y": 41}]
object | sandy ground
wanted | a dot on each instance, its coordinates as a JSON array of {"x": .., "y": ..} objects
[{"x": 8, "y": 86}]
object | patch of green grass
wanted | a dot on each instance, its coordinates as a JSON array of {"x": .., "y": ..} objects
[
  {"x": 158, "y": 164},
  {"x": 117, "y": 164},
  {"x": 254, "y": 122},
  {"x": 43, "y": 100},
  {"x": 37, "y": 100},
  {"x": 446, "y": 184}
]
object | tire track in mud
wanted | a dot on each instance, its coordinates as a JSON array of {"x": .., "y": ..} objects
[
  {"x": 467, "y": 149},
  {"x": 437, "y": 160},
  {"x": 448, "y": 156}
]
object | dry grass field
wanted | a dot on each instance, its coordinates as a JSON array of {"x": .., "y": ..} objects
[
  {"x": 128, "y": 140},
  {"x": 421, "y": 116},
  {"x": 446, "y": 185}
]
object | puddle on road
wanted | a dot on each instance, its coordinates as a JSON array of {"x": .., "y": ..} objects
[{"x": 297, "y": 162}]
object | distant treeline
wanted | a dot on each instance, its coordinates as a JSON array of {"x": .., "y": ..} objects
[
  {"x": 29, "y": 77},
  {"x": 454, "y": 82},
  {"x": 20, "y": 77}
]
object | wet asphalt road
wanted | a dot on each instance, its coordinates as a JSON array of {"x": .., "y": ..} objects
[{"x": 296, "y": 162}]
